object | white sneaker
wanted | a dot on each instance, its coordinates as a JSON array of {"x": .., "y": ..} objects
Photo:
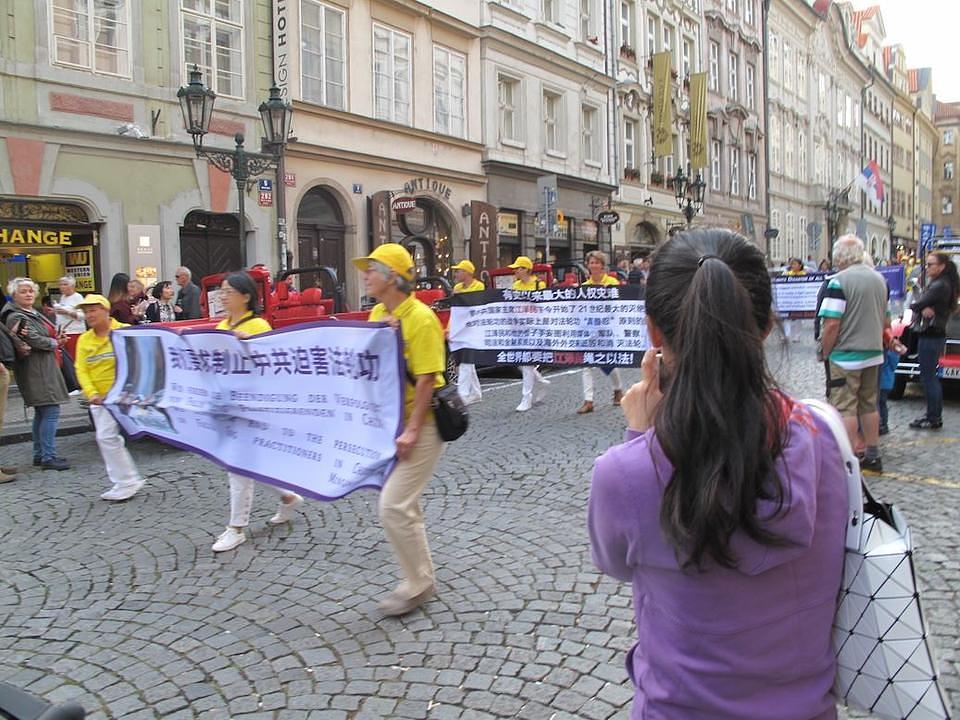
[
  {"x": 525, "y": 405},
  {"x": 119, "y": 493},
  {"x": 229, "y": 539},
  {"x": 540, "y": 390},
  {"x": 285, "y": 511},
  {"x": 74, "y": 393}
]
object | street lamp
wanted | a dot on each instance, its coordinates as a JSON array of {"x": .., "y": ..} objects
[
  {"x": 196, "y": 104},
  {"x": 836, "y": 209},
  {"x": 891, "y": 225},
  {"x": 689, "y": 194}
]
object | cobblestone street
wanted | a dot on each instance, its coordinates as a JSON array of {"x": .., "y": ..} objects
[{"x": 125, "y": 609}]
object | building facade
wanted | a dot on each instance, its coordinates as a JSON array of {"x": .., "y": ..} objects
[
  {"x": 920, "y": 84},
  {"x": 945, "y": 169}
]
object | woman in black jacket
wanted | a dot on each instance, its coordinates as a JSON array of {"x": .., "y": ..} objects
[{"x": 933, "y": 309}]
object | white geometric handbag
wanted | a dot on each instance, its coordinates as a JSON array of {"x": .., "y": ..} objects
[{"x": 885, "y": 663}]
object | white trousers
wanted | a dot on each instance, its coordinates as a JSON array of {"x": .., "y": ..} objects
[
  {"x": 468, "y": 384},
  {"x": 121, "y": 469},
  {"x": 588, "y": 381},
  {"x": 241, "y": 498},
  {"x": 531, "y": 377}
]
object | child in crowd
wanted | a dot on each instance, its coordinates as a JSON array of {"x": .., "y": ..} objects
[{"x": 893, "y": 349}]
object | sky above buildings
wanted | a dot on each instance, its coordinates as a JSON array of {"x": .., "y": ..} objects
[{"x": 928, "y": 30}]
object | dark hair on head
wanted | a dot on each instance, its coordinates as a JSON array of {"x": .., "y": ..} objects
[
  {"x": 950, "y": 275},
  {"x": 244, "y": 284},
  {"x": 118, "y": 287},
  {"x": 157, "y": 291},
  {"x": 721, "y": 422}
]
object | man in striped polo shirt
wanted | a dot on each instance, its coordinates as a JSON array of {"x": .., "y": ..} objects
[{"x": 854, "y": 314}]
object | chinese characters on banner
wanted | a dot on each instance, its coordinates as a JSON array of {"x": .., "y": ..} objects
[
  {"x": 588, "y": 325},
  {"x": 315, "y": 408}
]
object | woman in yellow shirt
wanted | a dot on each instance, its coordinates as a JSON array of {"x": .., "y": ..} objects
[
  {"x": 534, "y": 386},
  {"x": 597, "y": 266},
  {"x": 238, "y": 293},
  {"x": 468, "y": 384},
  {"x": 791, "y": 328}
]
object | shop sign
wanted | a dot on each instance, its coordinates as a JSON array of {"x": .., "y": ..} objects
[
  {"x": 79, "y": 264},
  {"x": 379, "y": 218},
  {"x": 608, "y": 217},
  {"x": 483, "y": 241},
  {"x": 428, "y": 184},
  {"x": 403, "y": 205},
  {"x": 30, "y": 236},
  {"x": 508, "y": 224},
  {"x": 588, "y": 229}
]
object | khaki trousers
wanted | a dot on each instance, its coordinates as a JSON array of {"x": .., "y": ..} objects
[{"x": 401, "y": 515}]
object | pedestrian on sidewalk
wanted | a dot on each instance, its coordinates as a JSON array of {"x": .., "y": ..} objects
[
  {"x": 388, "y": 276},
  {"x": 725, "y": 506},
  {"x": 70, "y": 321},
  {"x": 97, "y": 371},
  {"x": 238, "y": 292},
  {"x": 8, "y": 358},
  {"x": 38, "y": 374},
  {"x": 534, "y": 385},
  {"x": 468, "y": 384},
  {"x": 791, "y": 328},
  {"x": 597, "y": 264},
  {"x": 119, "y": 297},
  {"x": 933, "y": 310},
  {"x": 893, "y": 349}
]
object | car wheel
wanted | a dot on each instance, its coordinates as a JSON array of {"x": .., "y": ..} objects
[{"x": 899, "y": 387}]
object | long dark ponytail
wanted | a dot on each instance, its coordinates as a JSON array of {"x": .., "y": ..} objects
[{"x": 720, "y": 422}]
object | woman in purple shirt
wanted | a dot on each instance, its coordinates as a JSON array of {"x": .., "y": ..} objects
[{"x": 725, "y": 506}]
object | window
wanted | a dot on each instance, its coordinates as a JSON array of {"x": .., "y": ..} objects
[
  {"x": 449, "y": 91},
  {"x": 802, "y": 233},
  {"x": 626, "y": 22},
  {"x": 686, "y": 55},
  {"x": 668, "y": 39},
  {"x": 552, "y": 115},
  {"x": 391, "y": 75},
  {"x": 818, "y": 162},
  {"x": 323, "y": 54},
  {"x": 802, "y": 76},
  {"x": 508, "y": 95},
  {"x": 802, "y": 153},
  {"x": 749, "y": 11},
  {"x": 714, "y": 60},
  {"x": 734, "y": 171},
  {"x": 788, "y": 148},
  {"x": 732, "y": 6},
  {"x": 947, "y": 204},
  {"x": 948, "y": 170},
  {"x": 751, "y": 96},
  {"x": 791, "y": 232},
  {"x": 775, "y": 144},
  {"x": 590, "y": 129},
  {"x": 787, "y": 66},
  {"x": 948, "y": 137},
  {"x": 93, "y": 35},
  {"x": 587, "y": 30},
  {"x": 653, "y": 30},
  {"x": 630, "y": 144},
  {"x": 213, "y": 40},
  {"x": 716, "y": 148},
  {"x": 773, "y": 54},
  {"x": 822, "y": 92},
  {"x": 549, "y": 10},
  {"x": 776, "y": 244},
  {"x": 752, "y": 176},
  {"x": 733, "y": 67}
]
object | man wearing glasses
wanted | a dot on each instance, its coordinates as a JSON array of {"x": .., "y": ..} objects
[{"x": 187, "y": 305}]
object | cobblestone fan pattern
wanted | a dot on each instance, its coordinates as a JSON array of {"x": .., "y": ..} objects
[{"x": 125, "y": 609}]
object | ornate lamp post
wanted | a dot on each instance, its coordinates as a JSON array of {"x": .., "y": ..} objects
[
  {"x": 689, "y": 194},
  {"x": 836, "y": 209},
  {"x": 196, "y": 104}
]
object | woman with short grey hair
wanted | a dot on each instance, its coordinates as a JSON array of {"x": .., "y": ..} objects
[{"x": 38, "y": 374}]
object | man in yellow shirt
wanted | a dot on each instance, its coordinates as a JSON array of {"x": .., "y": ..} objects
[
  {"x": 96, "y": 367},
  {"x": 597, "y": 266},
  {"x": 388, "y": 276},
  {"x": 468, "y": 384},
  {"x": 534, "y": 385}
]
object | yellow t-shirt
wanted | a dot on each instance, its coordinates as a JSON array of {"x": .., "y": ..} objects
[
  {"x": 472, "y": 287},
  {"x": 423, "y": 349},
  {"x": 607, "y": 280},
  {"x": 534, "y": 283},
  {"x": 794, "y": 273},
  {"x": 96, "y": 363},
  {"x": 249, "y": 323}
]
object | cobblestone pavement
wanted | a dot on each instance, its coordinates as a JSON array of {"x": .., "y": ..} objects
[{"x": 125, "y": 608}]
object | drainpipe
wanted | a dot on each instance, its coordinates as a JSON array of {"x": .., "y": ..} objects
[
  {"x": 765, "y": 12},
  {"x": 611, "y": 68}
]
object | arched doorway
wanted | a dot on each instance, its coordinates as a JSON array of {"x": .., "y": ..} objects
[
  {"x": 320, "y": 234},
  {"x": 427, "y": 233},
  {"x": 210, "y": 243},
  {"x": 645, "y": 239}
]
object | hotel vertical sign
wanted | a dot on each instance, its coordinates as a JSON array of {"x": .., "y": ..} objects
[{"x": 286, "y": 41}]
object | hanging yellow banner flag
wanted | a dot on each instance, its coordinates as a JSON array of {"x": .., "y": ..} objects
[
  {"x": 662, "y": 106},
  {"x": 698, "y": 120}
]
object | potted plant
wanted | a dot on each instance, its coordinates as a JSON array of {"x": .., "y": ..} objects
[
  {"x": 656, "y": 178},
  {"x": 631, "y": 173},
  {"x": 628, "y": 52}
]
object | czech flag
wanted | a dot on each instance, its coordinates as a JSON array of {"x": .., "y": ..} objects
[{"x": 871, "y": 183}]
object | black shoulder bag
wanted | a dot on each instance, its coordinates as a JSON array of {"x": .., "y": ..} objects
[{"x": 448, "y": 410}]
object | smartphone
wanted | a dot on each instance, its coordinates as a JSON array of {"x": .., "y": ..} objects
[{"x": 662, "y": 373}]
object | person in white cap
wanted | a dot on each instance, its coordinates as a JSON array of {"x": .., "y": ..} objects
[
  {"x": 468, "y": 384},
  {"x": 534, "y": 384},
  {"x": 96, "y": 372}
]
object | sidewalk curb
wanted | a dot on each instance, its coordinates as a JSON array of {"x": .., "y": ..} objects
[{"x": 21, "y": 437}]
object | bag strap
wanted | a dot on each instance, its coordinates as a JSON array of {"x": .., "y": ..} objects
[{"x": 856, "y": 487}]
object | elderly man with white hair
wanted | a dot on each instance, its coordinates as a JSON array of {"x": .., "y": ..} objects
[
  {"x": 854, "y": 314},
  {"x": 187, "y": 305}
]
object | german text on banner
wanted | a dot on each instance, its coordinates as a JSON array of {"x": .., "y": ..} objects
[
  {"x": 314, "y": 408},
  {"x": 795, "y": 297},
  {"x": 662, "y": 107},
  {"x": 587, "y": 325},
  {"x": 698, "y": 120}
]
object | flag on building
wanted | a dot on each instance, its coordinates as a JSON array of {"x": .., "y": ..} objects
[{"x": 871, "y": 183}]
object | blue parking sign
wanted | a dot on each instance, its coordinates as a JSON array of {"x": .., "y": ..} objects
[
  {"x": 947, "y": 232},
  {"x": 927, "y": 233}
]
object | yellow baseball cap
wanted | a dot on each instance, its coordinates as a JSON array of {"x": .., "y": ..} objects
[
  {"x": 94, "y": 299},
  {"x": 392, "y": 255},
  {"x": 465, "y": 265},
  {"x": 522, "y": 262}
]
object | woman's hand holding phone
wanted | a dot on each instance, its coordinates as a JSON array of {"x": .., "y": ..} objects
[{"x": 641, "y": 401}]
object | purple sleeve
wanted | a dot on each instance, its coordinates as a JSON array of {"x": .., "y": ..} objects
[{"x": 608, "y": 515}]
